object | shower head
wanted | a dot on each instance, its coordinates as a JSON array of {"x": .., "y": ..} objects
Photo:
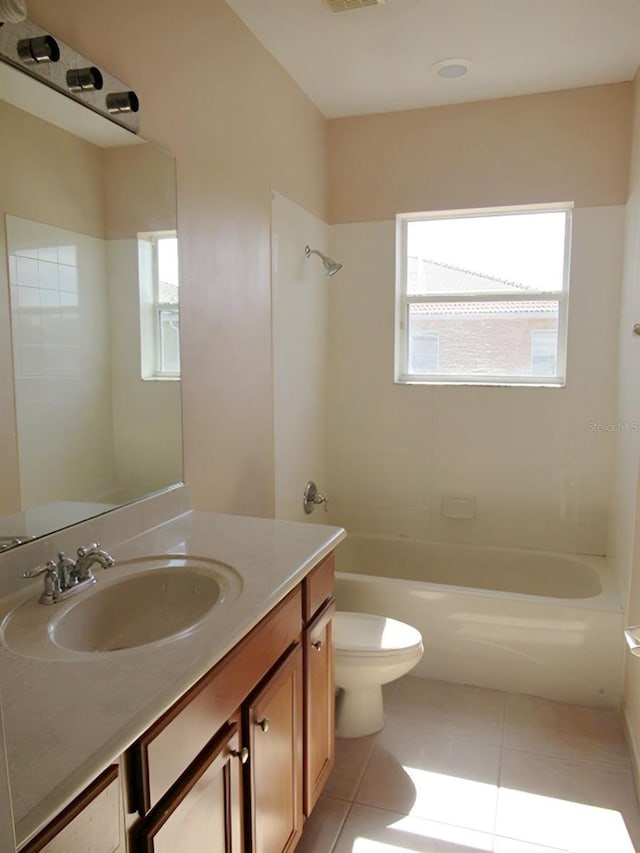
[{"x": 331, "y": 267}]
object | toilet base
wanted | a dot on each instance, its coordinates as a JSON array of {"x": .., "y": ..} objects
[{"x": 359, "y": 711}]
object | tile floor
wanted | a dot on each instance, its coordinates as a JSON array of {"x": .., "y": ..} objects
[{"x": 460, "y": 768}]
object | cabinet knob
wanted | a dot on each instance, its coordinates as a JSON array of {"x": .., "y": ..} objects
[
  {"x": 317, "y": 645},
  {"x": 242, "y": 754},
  {"x": 264, "y": 724}
]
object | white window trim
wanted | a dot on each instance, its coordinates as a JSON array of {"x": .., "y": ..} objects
[
  {"x": 403, "y": 301},
  {"x": 150, "y": 355}
]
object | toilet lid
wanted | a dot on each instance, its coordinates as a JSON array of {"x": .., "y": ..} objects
[{"x": 364, "y": 632}]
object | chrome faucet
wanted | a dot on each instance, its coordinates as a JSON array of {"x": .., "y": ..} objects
[
  {"x": 66, "y": 577},
  {"x": 87, "y": 557}
]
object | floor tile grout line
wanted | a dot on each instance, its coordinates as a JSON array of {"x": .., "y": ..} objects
[
  {"x": 624, "y": 768},
  {"x": 365, "y": 767},
  {"x": 343, "y": 823},
  {"x": 505, "y": 701},
  {"x": 392, "y": 700},
  {"x": 436, "y": 730},
  {"x": 497, "y": 836},
  {"x": 424, "y": 820}
]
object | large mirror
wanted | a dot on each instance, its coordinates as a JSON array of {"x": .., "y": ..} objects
[{"x": 90, "y": 414}]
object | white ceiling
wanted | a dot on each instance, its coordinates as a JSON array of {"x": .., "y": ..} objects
[{"x": 380, "y": 58}]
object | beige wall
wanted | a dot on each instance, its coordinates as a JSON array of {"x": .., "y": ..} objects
[
  {"x": 140, "y": 190},
  {"x": 71, "y": 195},
  {"x": 561, "y": 146},
  {"x": 238, "y": 126}
]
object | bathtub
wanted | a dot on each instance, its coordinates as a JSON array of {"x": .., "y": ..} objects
[{"x": 524, "y": 621}]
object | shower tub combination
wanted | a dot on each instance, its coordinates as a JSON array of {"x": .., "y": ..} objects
[{"x": 532, "y": 622}]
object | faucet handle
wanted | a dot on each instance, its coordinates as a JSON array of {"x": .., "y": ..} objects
[
  {"x": 312, "y": 497},
  {"x": 49, "y": 566},
  {"x": 52, "y": 589}
]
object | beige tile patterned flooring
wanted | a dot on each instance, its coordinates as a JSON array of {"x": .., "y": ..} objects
[{"x": 460, "y": 768}]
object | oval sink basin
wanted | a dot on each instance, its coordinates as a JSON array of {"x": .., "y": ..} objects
[
  {"x": 140, "y": 609},
  {"x": 143, "y": 601}
]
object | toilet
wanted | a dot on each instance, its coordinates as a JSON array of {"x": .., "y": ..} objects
[{"x": 369, "y": 651}]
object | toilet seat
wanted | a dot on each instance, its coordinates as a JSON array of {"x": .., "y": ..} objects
[{"x": 373, "y": 636}]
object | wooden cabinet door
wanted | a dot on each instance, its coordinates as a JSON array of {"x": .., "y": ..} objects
[
  {"x": 319, "y": 704},
  {"x": 274, "y": 733},
  {"x": 92, "y": 823},
  {"x": 202, "y": 812},
  {"x": 166, "y": 749}
]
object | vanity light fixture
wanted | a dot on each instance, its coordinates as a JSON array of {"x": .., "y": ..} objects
[
  {"x": 331, "y": 267},
  {"x": 34, "y": 51},
  {"x": 40, "y": 49},
  {"x": 122, "y": 102},
  {"x": 84, "y": 79}
]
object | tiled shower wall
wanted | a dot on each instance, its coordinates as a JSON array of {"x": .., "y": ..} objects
[
  {"x": 61, "y": 354},
  {"x": 536, "y": 460}
]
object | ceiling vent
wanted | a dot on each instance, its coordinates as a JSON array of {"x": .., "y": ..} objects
[{"x": 346, "y": 5}]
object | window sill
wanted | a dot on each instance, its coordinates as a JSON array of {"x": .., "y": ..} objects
[{"x": 481, "y": 383}]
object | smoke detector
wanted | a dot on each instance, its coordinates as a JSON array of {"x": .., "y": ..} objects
[{"x": 346, "y": 5}]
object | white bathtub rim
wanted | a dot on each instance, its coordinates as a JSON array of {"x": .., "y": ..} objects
[
  {"x": 607, "y": 600},
  {"x": 594, "y": 560}
]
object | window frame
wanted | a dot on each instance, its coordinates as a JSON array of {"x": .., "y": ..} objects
[
  {"x": 403, "y": 301},
  {"x": 152, "y": 309}
]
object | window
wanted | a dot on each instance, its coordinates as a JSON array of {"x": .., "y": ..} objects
[
  {"x": 544, "y": 352},
  {"x": 159, "y": 305},
  {"x": 424, "y": 352},
  {"x": 482, "y": 296}
]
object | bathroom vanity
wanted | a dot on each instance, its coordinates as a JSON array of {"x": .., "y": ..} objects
[{"x": 225, "y": 732}]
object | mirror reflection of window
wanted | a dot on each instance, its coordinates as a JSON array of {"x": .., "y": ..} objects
[{"x": 159, "y": 305}]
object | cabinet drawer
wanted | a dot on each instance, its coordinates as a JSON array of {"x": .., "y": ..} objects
[
  {"x": 318, "y": 586},
  {"x": 173, "y": 742}
]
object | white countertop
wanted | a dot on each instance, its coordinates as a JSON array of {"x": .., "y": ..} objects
[{"x": 69, "y": 718}]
